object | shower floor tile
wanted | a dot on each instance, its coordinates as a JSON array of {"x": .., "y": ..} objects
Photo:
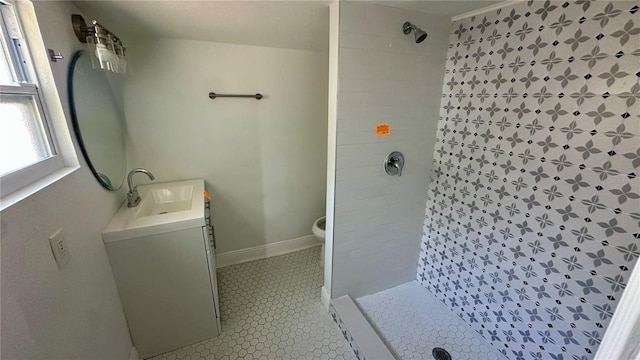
[
  {"x": 413, "y": 321},
  {"x": 271, "y": 309}
]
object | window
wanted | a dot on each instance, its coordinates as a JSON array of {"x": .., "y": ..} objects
[{"x": 28, "y": 150}]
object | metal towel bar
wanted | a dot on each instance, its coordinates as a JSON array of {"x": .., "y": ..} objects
[{"x": 213, "y": 95}]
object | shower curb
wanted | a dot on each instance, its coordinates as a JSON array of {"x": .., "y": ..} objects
[{"x": 362, "y": 338}]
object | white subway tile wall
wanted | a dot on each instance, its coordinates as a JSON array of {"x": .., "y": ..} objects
[
  {"x": 384, "y": 78},
  {"x": 532, "y": 220}
]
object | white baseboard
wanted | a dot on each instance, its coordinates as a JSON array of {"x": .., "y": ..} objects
[
  {"x": 326, "y": 299},
  {"x": 133, "y": 353},
  {"x": 265, "y": 251}
]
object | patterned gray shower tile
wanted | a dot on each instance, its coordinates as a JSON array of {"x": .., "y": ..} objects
[
  {"x": 466, "y": 23},
  {"x": 600, "y": 315},
  {"x": 516, "y": 226},
  {"x": 561, "y": 79},
  {"x": 632, "y": 95},
  {"x": 586, "y": 232},
  {"x": 584, "y": 285},
  {"x": 590, "y": 9},
  {"x": 620, "y": 137},
  {"x": 603, "y": 114},
  {"x": 601, "y": 262},
  {"x": 628, "y": 157},
  {"x": 632, "y": 121},
  {"x": 592, "y": 37},
  {"x": 624, "y": 194},
  {"x": 544, "y": 10},
  {"x": 614, "y": 77},
  {"x": 593, "y": 57},
  {"x": 558, "y": 107},
  {"x": 611, "y": 44},
  {"x": 600, "y": 142},
  {"x": 585, "y": 316},
  {"x": 612, "y": 28},
  {"x": 585, "y": 8},
  {"x": 626, "y": 273},
  {"x": 547, "y": 306},
  {"x": 626, "y": 252},
  {"x": 573, "y": 341},
  {"x": 609, "y": 12},
  {"x": 549, "y": 268},
  {"x": 549, "y": 35}
]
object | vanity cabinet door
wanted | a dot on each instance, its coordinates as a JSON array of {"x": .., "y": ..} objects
[{"x": 165, "y": 286}]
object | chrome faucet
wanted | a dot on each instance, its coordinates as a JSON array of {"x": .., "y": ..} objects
[{"x": 133, "y": 199}]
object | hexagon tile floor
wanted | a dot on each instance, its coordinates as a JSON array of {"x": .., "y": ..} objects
[
  {"x": 413, "y": 321},
  {"x": 271, "y": 309}
]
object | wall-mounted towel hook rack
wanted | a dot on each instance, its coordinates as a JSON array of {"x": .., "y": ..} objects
[{"x": 213, "y": 95}]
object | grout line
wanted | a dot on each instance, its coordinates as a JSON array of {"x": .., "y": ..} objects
[{"x": 485, "y": 9}]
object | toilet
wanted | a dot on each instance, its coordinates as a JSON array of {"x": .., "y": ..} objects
[{"x": 318, "y": 229}]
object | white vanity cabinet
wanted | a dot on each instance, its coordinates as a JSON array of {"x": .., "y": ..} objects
[{"x": 168, "y": 287}]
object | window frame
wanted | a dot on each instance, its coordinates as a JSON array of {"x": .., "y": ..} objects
[{"x": 25, "y": 84}]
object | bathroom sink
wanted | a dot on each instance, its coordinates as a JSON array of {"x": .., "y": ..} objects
[
  {"x": 164, "y": 200},
  {"x": 164, "y": 207}
]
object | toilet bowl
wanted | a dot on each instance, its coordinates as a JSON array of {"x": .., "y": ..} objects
[{"x": 318, "y": 229}]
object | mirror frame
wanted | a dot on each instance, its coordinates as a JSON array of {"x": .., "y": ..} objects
[{"x": 102, "y": 179}]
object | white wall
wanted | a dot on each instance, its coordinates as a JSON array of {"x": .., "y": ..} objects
[
  {"x": 334, "y": 37},
  {"x": 384, "y": 77},
  {"x": 264, "y": 162},
  {"x": 73, "y": 313}
]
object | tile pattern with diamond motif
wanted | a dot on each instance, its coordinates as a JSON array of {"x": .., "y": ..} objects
[
  {"x": 271, "y": 309},
  {"x": 346, "y": 333},
  {"x": 413, "y": 322},
  {"x": 532, "y": 224}
]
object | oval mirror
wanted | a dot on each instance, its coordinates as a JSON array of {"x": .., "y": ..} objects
[{"x": 97, "y": 121}]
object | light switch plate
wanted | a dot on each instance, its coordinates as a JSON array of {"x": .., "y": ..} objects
[{"x": 59, "y": 248}]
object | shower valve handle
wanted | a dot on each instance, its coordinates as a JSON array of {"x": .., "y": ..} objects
[
  {"x": 397, "y": 166},
  {"x": 393, "y": 163}
]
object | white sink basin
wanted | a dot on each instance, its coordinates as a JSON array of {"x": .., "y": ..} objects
[
  {"x": 164, "y": 207},
  {"x": 164, "y": 200}
]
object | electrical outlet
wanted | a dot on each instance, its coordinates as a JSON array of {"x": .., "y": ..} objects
[{"x": 59, "y": 248}]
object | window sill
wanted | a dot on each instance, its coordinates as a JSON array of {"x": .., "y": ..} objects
[{"x": 35, "y": 186}]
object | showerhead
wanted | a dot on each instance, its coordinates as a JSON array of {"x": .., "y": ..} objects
[{"x": 419, "y": 34}]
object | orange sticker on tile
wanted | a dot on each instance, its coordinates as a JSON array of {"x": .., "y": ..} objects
[{"x": 383, "y": 129}]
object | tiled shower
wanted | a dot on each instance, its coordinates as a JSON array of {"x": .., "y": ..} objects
[{"x": 532, "y": 215}]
